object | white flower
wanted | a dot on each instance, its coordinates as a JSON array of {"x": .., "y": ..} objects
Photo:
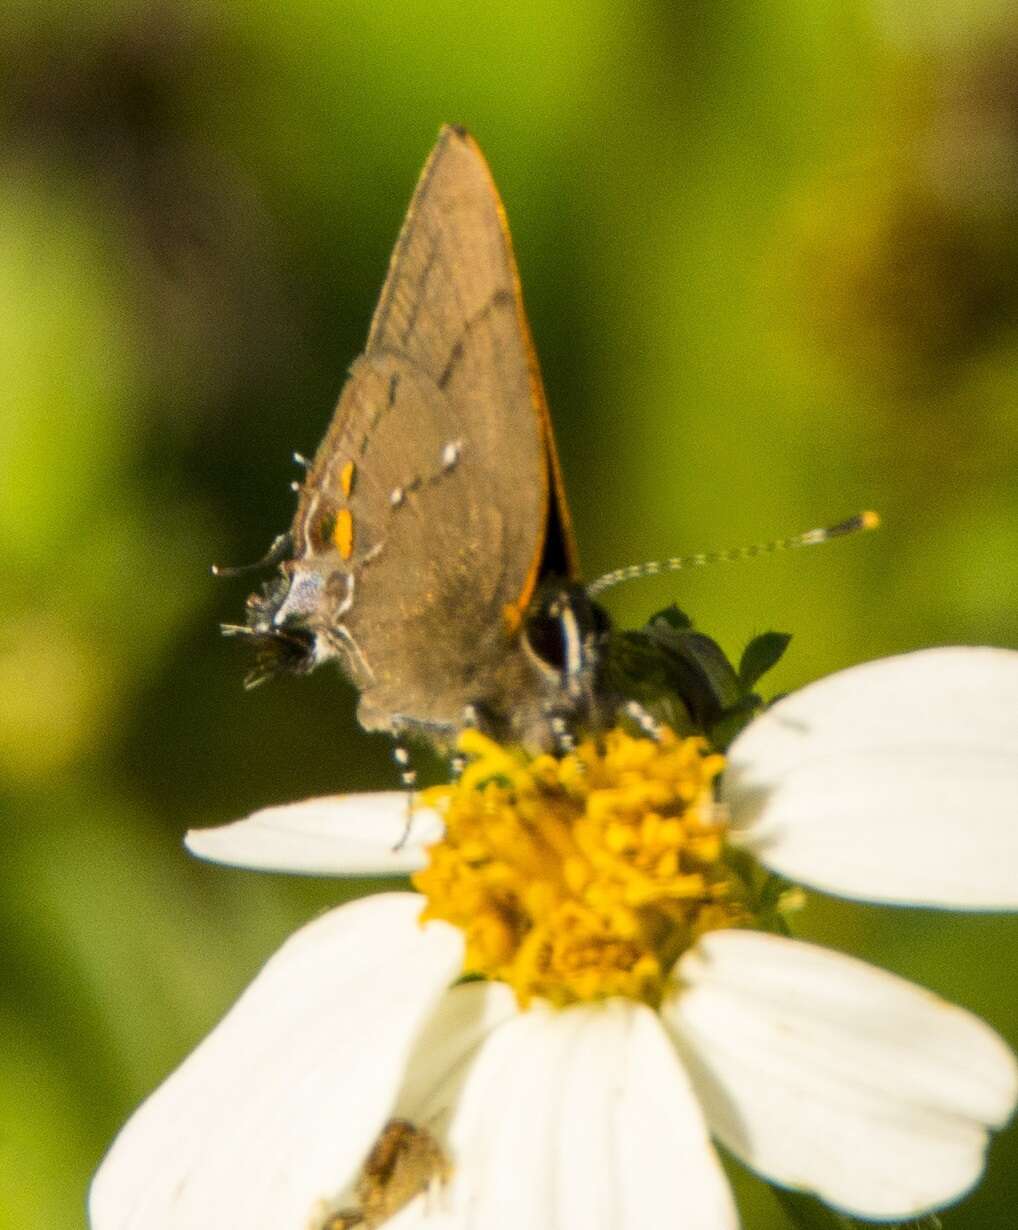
[{"x": 896, "y": 781}]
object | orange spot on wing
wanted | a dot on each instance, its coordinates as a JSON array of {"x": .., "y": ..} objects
[
  {"x": 342, "y": 535},
  {"x": 346, "y": 478},
  {"x": 512, "y": 616}
]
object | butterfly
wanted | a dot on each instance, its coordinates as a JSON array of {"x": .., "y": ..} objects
[{"x": 431, "y": 553}]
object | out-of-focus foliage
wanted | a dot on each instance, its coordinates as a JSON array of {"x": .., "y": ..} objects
[{"x": 771, "y": 258}]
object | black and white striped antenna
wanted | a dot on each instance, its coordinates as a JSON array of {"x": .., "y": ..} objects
[{"x": 809, "y": 538}]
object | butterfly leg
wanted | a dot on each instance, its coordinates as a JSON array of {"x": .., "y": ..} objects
[
  {"x": 408, "y": 776},
  {"x": 646, "y": 722},
  {"x": 401, "y": 723},
  {"x": 565, "y": 741}
]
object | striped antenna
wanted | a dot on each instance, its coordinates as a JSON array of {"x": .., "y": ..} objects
[{"x": 810, "y": 538}]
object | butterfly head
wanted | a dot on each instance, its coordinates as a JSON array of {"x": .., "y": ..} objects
[{"x": 281, "y": 625}]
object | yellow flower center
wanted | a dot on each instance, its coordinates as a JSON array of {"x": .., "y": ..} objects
[{"x": 585, "y": 876}]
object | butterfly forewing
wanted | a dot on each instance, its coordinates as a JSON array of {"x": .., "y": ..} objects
[{"x": 452, "y": 304}]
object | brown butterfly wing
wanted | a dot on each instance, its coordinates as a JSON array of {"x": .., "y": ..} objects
[{"x": 439, "y": 466}]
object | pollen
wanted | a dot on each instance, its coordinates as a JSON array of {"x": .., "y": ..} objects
[{"x": 585, "y": 876}]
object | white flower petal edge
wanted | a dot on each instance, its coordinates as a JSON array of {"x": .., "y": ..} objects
[
  {"x": 352, "y": 834},
  {"x": 824, "y": 1073},
  {"x": 575, "y": 1118},
  {"x": 896, "y": 781},
  {"x": 277, "y": 1108}
]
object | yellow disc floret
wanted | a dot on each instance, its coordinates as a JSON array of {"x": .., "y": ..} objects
[{"x": 582, "y": 876}]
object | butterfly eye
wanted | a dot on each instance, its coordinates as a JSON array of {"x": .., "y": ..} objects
[
  {"x": 562, "y": 630},
  {"x": 544, "y": 637}
]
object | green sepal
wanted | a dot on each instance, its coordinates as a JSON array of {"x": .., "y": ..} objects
[
  {"x": 683, "y": 678},
  {"x": 672, "y": 615},
  {"x": 764, "y": 894},
  {"x": 733, "y": 720},
  {"x": 808, "y": 1213},
  {"x": 761, "y": 654},
  {"x": 634, "y": 667},
  {"x": 700, "y": 672}
]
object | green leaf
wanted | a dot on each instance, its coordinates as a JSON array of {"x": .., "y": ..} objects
[
  {"x": 761, "y": 654},
  {"x": 698, "y": 671},
  {"x": 635, "y": 667}
]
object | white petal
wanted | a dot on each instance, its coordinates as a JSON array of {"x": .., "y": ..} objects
[
  {"x": 278, "y": 1106},
  {"x": 582, "y": 1119},
  {"x": 347, "y": 834},
  {"x": 668, "y": 1162},
  {"x": 824, "y": 1073},
  {"x": 896, "y": 781},
  {"x": 446, "y": 1048}
]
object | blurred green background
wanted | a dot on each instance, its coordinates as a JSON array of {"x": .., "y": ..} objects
[{"x": 770, "y": 255}]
